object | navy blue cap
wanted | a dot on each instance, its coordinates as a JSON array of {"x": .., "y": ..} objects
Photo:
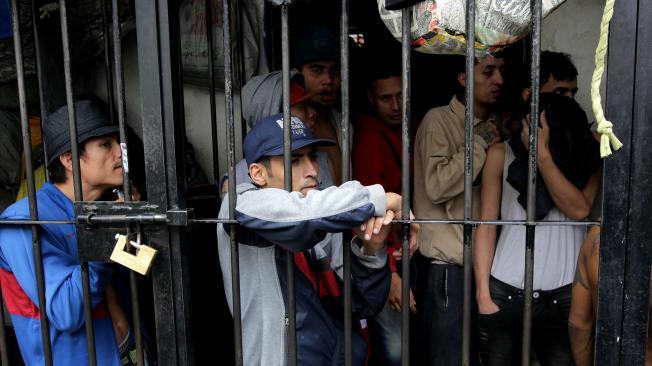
[
  {"x": 92, "y": 121},
  {"x": 317, "y": 43},
  {"x": 266, "y": 138}
]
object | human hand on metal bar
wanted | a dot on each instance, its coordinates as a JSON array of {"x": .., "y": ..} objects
[
  {"x": 397, "y": 232},
  {"x": 135, "y": 194},
  {"x": 374, "y": 232},
  {"x": 395, "y": 295}
]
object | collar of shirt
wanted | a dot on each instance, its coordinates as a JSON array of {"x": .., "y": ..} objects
[{"x": 459, "y": 109}]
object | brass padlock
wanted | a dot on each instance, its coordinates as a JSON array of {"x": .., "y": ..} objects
[{"x": 141, "y": 262}]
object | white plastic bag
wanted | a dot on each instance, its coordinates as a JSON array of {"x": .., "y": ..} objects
[{"x": 438, "y": 26}]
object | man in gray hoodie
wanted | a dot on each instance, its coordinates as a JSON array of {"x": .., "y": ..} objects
[
  {"x": 273, "y": 221},
  {"x": 262, "y": 97}
]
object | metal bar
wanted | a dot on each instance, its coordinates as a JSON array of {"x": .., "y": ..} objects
[
  {"x": 437, "y": 222},
  {"x": 639, "y": 251},
  {"x": 72, "y": 117},
  {"x": 36, "y": 222},
  {"x": 88, "y": 316},
  {"x": 287, "y": 166},
  {"x": 240, "y": 61},
  {"x": 107, "y": 57},
  {"x": 230, "y": 131},
  {"x": 621, "y": 81},
  {"x": 4, "y": 352},
  {"x": 39, "y": 77},
  {"x": 346, "y": 175},
  {"x": 119, "y": 78},
  {"x": 152, "y": 113},
  {"x": 157, "y": 219},
  {"x": 31, "y": 189},
  {"x": 211, "y": 88},
  {"x": 532, "y": 182},
  {"x": 116, "y": 219},
  {"x": 405, "y": 183},
  {"x": 120, "y": 89},
  {"x": 160, "y": 218},
  {"x": 468, "y": 182},
  {"x": 173, "y": 119}
]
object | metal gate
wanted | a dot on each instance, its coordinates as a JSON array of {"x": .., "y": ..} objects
[{"x": 167, "y": 222}]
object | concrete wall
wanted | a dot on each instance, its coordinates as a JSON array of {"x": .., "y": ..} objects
[
  {"x": 197, "y": 110},
  {"x": 574, "y": 28}
]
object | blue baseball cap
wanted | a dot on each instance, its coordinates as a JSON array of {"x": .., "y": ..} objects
[{"x": 266, "y": 138}]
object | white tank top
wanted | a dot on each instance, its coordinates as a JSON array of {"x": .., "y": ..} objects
[{"x": 556, "y": 247}]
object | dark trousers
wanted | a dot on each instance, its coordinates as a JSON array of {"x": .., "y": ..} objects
[
  {"x": 440, "y": 307},
  {"x": 501, "y": 333}
]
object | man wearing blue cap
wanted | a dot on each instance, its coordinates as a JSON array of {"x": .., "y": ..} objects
[
  {"x": 273, "y": 221},
  {"x": 101, "y": 170}
]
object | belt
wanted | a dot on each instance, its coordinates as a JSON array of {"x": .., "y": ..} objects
[{"x": 507, "y": 288}]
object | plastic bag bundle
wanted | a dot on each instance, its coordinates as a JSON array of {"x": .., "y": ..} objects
[{"x": 438, "y": 26}]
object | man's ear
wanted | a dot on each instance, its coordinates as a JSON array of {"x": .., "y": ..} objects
[
  {"x": 526, "y": 94},
  {"x": 66, "y": 160},
  {"x": 370, "y": 98},
  {"x": 461, "y": 79},
  {"x": 258, "y": 174}
]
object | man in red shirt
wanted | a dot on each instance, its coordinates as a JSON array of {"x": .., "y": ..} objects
[{"x": 376, "y": 159}]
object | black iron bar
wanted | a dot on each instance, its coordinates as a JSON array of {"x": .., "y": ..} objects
[
  {"x": 120, "y": 89},
  {"x": 211, "y": 88},
  {"x": 36, "y": 222},
  {"x": 107, "y": 57},
  {"x": 31, "y": 189},
  {"x": 160, "y": 218},
  {"x": 528, "y": 281},
  {"x": 4, "y": 352},
  {"x": 240, "y": 61},
  {"x": 230, "y": 131},
  {"x": 74, "y": 149},
  {"x": 72, "y": 117},
  {"x": 126, "y": 183},
  {"x": 287, "y": 165},
  {"x": 435, "y": 222},
  {"x": 117, "y": 219},
  {"x": 468, "y": 183},
  {"x": 39, "y": 77},
  {"x": 346, "y": 175},
  {"x": 405, "y": 184}
]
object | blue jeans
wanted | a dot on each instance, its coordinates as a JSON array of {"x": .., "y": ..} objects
[{"x": 385, "y": 337}]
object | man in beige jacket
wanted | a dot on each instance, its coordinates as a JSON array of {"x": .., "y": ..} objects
[{"x": 439, "y": 194}]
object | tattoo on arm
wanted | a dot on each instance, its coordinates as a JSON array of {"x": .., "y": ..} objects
[
  {"x": 580, "y": 279},
  {"x": 594, "y": 244}
]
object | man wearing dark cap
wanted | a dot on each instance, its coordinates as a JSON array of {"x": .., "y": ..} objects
[
  {"x": 317, "y": 57},
  {"x": 101, "y": 170},
  {"x": 274, "y": 221},
  {"x": 262, "y": 96}
]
